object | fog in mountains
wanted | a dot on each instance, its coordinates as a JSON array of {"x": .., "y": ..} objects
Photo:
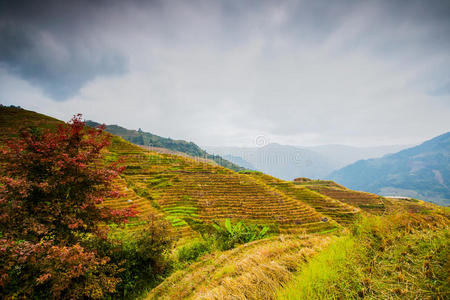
[
  {"x": 289, "y": 162},
  {"x": 359, "y": 73},
  {"x": 421, "y": 172}
]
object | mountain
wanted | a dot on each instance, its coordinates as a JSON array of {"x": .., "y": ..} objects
[
  {"x": 282, "y": 161},
  {"x": 237, "y": 160},
  {"x": 288, "y": 162},
  {"x": 142, "y": 138},
  {"x": 419, "y": 172},
  {"x": 342, "y": 155}
]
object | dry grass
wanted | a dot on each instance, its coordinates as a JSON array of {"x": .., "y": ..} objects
[{"x": 252, "y": 271}]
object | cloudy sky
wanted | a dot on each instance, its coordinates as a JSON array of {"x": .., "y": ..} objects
[{"x": 359, "y": 73}]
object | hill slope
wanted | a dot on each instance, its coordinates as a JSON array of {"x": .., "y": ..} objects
[
  {"x": 184, "y": 189},
  {"x": 187, "y": 191},
  {"x": 142, "y": 138},
  {"x": 419, "y": 172}
]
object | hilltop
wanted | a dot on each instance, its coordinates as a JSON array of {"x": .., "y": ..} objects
[
  {"x": 148, "y": 139},
  {"x": 419, "y": 172}
]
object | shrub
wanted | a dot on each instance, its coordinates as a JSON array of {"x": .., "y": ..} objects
[
  {"x": 193, "y": 250},
  {"x": 47, "y": 270},
  {"x": 51, "y": 186},
  {"x": 228, "y": 235},
  {"x": 141, "y": 254}
]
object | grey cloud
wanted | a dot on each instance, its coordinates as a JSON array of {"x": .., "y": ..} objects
[
  {"x": 52, "y": 46},
  {"x": 298, "y": 71}
]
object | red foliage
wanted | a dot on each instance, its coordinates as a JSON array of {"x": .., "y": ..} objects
[
  {"x": 47, "y": 270},
  {"x": 51, "y": 186},
  {"x": 54, "y": 182}
]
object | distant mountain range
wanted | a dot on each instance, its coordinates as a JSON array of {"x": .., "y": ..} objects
[
  {"x": 142, "y": 138},
  {"x": 419, "y": 172},
  {"x": 289, "y": 162}
]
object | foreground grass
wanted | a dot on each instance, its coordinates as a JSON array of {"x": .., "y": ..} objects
[
  {"x": 251, "y": 271},
  {"x": 396, "y": 257}
]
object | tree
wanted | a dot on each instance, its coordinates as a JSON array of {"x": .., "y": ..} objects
[{"x": 52, "y": 186}]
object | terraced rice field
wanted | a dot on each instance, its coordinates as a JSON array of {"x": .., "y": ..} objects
[
  {"x": 394, "y": 205},
  {"x": 130, "y": 198},
  {"x": 368, "y": 202},
  {"x": 181, "y": 187},
  {"x": 332, "y": 208}
]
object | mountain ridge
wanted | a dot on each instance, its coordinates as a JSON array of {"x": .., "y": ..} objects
[
  {"x": 143, "y": 138},
  {"x": 297, "y": 161},
  {"x": 422, "y": 171}
]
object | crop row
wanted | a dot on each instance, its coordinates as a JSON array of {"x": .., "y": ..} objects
[
  {"x": 340, "y": 212},
  {"x": 368, "y": 202}
]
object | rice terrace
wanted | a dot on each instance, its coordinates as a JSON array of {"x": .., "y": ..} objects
[{"x": 229, "y": 150}]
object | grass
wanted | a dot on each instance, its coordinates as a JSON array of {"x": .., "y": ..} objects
[
  {"x": 328, "y": 275},
  {"x": 251, "y": 271},
  {"x": 395, "y": 257}
]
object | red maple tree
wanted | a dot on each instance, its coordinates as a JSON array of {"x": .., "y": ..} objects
[{"x": 52, "y": 186}]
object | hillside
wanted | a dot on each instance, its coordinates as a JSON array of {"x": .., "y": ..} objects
[
  {"x": 142, "y": 138},
  {"x": 331, "y": 207},
  {"x": 12, "y": 119},
  {"x": 310, "y": 222},
  {"x": 420, "y": 172},
  {"x": 183, "y": 189}
]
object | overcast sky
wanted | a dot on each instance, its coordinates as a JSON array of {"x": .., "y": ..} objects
[{"x": 361, "y": 73}]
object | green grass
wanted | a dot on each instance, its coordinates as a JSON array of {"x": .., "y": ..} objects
[
  {"x": 176, "y": 214},
  {"x": 395, "y": 257},
  {"x": 328, "y": 275}
]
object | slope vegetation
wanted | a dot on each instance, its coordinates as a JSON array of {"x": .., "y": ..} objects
[
  {"x": 368, "y": 202},
  {"x": 147, "y": 139},
  {"x": 183, "y": 189},
  {"x": 251, "y": 271}
]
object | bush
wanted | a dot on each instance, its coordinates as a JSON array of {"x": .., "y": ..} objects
[
  {"x": 52, "y": 185},
  {"x": 46, "y": 270},
  {"x": 228, "y": 235},
  {"x": 142, "y": 256},
  {"x": 193, "y": 250}
]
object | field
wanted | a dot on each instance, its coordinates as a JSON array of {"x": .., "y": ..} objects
[
  {"x": 368, "y": 202},
  {"x": 183, "y": 188}
]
